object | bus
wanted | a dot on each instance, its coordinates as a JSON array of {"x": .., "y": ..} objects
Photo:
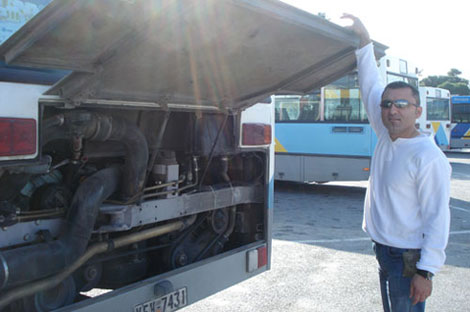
[
  {"x": 460, "y": 133},
  {"x": 138, "y": 161},
  {"x": 325, "y": 135},
  {"x": 435, "y": 118}
]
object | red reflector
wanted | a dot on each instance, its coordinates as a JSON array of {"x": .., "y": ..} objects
[
  {"x": 262, "y": 256},
  {"x": 17, "y": 136},
  {"x": 256, "y": 134}
]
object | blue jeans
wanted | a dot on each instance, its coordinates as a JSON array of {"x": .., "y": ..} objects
[{"x": 395, "y": 288}]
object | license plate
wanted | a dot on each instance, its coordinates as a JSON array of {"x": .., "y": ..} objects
[{"x": 171, "y": 302}]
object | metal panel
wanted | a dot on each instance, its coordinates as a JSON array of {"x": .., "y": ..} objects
[
  {"x": 289, "y": 168},
  {"x": 198, "y": 278},
  {"x": 125, "y": 217},
  {"x": 225, "y": 54},
  {"x": 323, "y": 169}
]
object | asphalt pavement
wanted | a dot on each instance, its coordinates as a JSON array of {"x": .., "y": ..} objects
[{"x": 322, "y": 261}]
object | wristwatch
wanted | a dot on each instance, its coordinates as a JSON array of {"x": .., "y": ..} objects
[{"x": 426, "y": 274}]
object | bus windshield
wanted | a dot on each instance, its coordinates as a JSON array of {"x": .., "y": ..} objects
[
  {"x": 461, "y": 113},
  {"x": 392, "y": 77},
  {"x": 15, "y": 13},
  {"x": 437, "y": 109}
]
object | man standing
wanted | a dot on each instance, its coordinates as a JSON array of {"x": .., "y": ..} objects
[{"x": 406, "y": 209}]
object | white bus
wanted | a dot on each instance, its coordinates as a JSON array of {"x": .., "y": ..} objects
[{"x": 435, "y": 118}]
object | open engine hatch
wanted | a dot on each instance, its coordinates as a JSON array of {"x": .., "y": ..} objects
[{"x": 208, "y": 53}]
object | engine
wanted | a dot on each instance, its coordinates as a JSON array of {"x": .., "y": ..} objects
[{"x": 119, "y": 195}]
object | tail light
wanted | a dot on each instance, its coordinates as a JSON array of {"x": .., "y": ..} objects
[
  {"x": 256, "y": 134},
  {"x": 257, "y": 258},
  {"x": 17, "y": 136}
]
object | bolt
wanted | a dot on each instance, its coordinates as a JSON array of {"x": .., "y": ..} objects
[
  {"x": 91, "y": 273},
  {"x": 182, "y": 259}
]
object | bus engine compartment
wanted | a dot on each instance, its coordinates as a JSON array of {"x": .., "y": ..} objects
[
  {"x": 137, "y": 163},
  {"x": 122, "y": 195}
]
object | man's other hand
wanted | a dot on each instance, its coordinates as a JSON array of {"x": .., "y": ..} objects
[{"x": 420, "y": 289}]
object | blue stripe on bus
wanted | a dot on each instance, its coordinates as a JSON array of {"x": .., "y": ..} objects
[
  {"x": 460, "y": 99},
  {"x": 440, "y": 137},
  {"x": 326, "y": 139},
  {"x": 460, "y": 130},
  {"x": 30, "y": 75}
]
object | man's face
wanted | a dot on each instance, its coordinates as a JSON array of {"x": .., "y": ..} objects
[{"x": 400, "y": 122}]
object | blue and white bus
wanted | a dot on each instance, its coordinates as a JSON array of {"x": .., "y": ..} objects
[
  {"x": 325, "y": 135},
  {"x": 435, "y": 118},
  {"x": 460, "y": 134}
]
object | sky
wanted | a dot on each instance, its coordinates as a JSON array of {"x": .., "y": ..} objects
[{"x": 431, "y": 35}]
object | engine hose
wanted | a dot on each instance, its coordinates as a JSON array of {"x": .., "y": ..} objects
[
  {"x": 25, "y": 264},
  {"x": 53, "y": 281},
  {"x": 222, "y": 237}
]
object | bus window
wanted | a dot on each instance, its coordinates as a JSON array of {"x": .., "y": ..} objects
[
  {"x": 394, "y": 77},
  {"x": 295, "y": 108},
  {"x": 403, "y": 67},
  {"x": 344, "y": 105},
  {"x": 437, "y": 109},
  {"x": 287, "y": 108},
  {"x": 310, "y": 107}
]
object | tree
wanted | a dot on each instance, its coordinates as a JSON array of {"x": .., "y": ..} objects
[
  {"x": 451, "y": 82},
  {"x": 454, "y": 72}
]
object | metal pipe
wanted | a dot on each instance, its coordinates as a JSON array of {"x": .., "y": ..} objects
[
  {"x": 47, "y": 283},
  {"x": 28, "y": 263},
  {"x": 97, "y": 127},
  {"x": 159, "y": 186},
  {"x": 158, "y": 143},
  {"x": 179, "y": 190}
]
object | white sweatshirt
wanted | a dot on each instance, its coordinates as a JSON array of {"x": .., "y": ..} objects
[{"x": 407, "y": 199}]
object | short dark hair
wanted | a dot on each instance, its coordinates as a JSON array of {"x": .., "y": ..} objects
[{"x": 403, "y": 85}]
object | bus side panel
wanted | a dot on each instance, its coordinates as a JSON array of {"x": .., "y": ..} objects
[
  {"x": 264, "y": 113},
  {"x": 289, "y": 168},
  {"x": 314, "y": 168},
  {"x": 324, "y": 139},
  {"x": 460, "y": 136},
  {"x": 323, "y": 169}
]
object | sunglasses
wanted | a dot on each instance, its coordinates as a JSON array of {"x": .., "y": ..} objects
[{"x": 397, "y": 103}]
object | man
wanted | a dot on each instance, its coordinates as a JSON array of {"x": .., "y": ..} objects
[{"x": 406, "y": 209}]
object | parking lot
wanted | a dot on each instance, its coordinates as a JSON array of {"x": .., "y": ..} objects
[{"x": 322, "y": 261}]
